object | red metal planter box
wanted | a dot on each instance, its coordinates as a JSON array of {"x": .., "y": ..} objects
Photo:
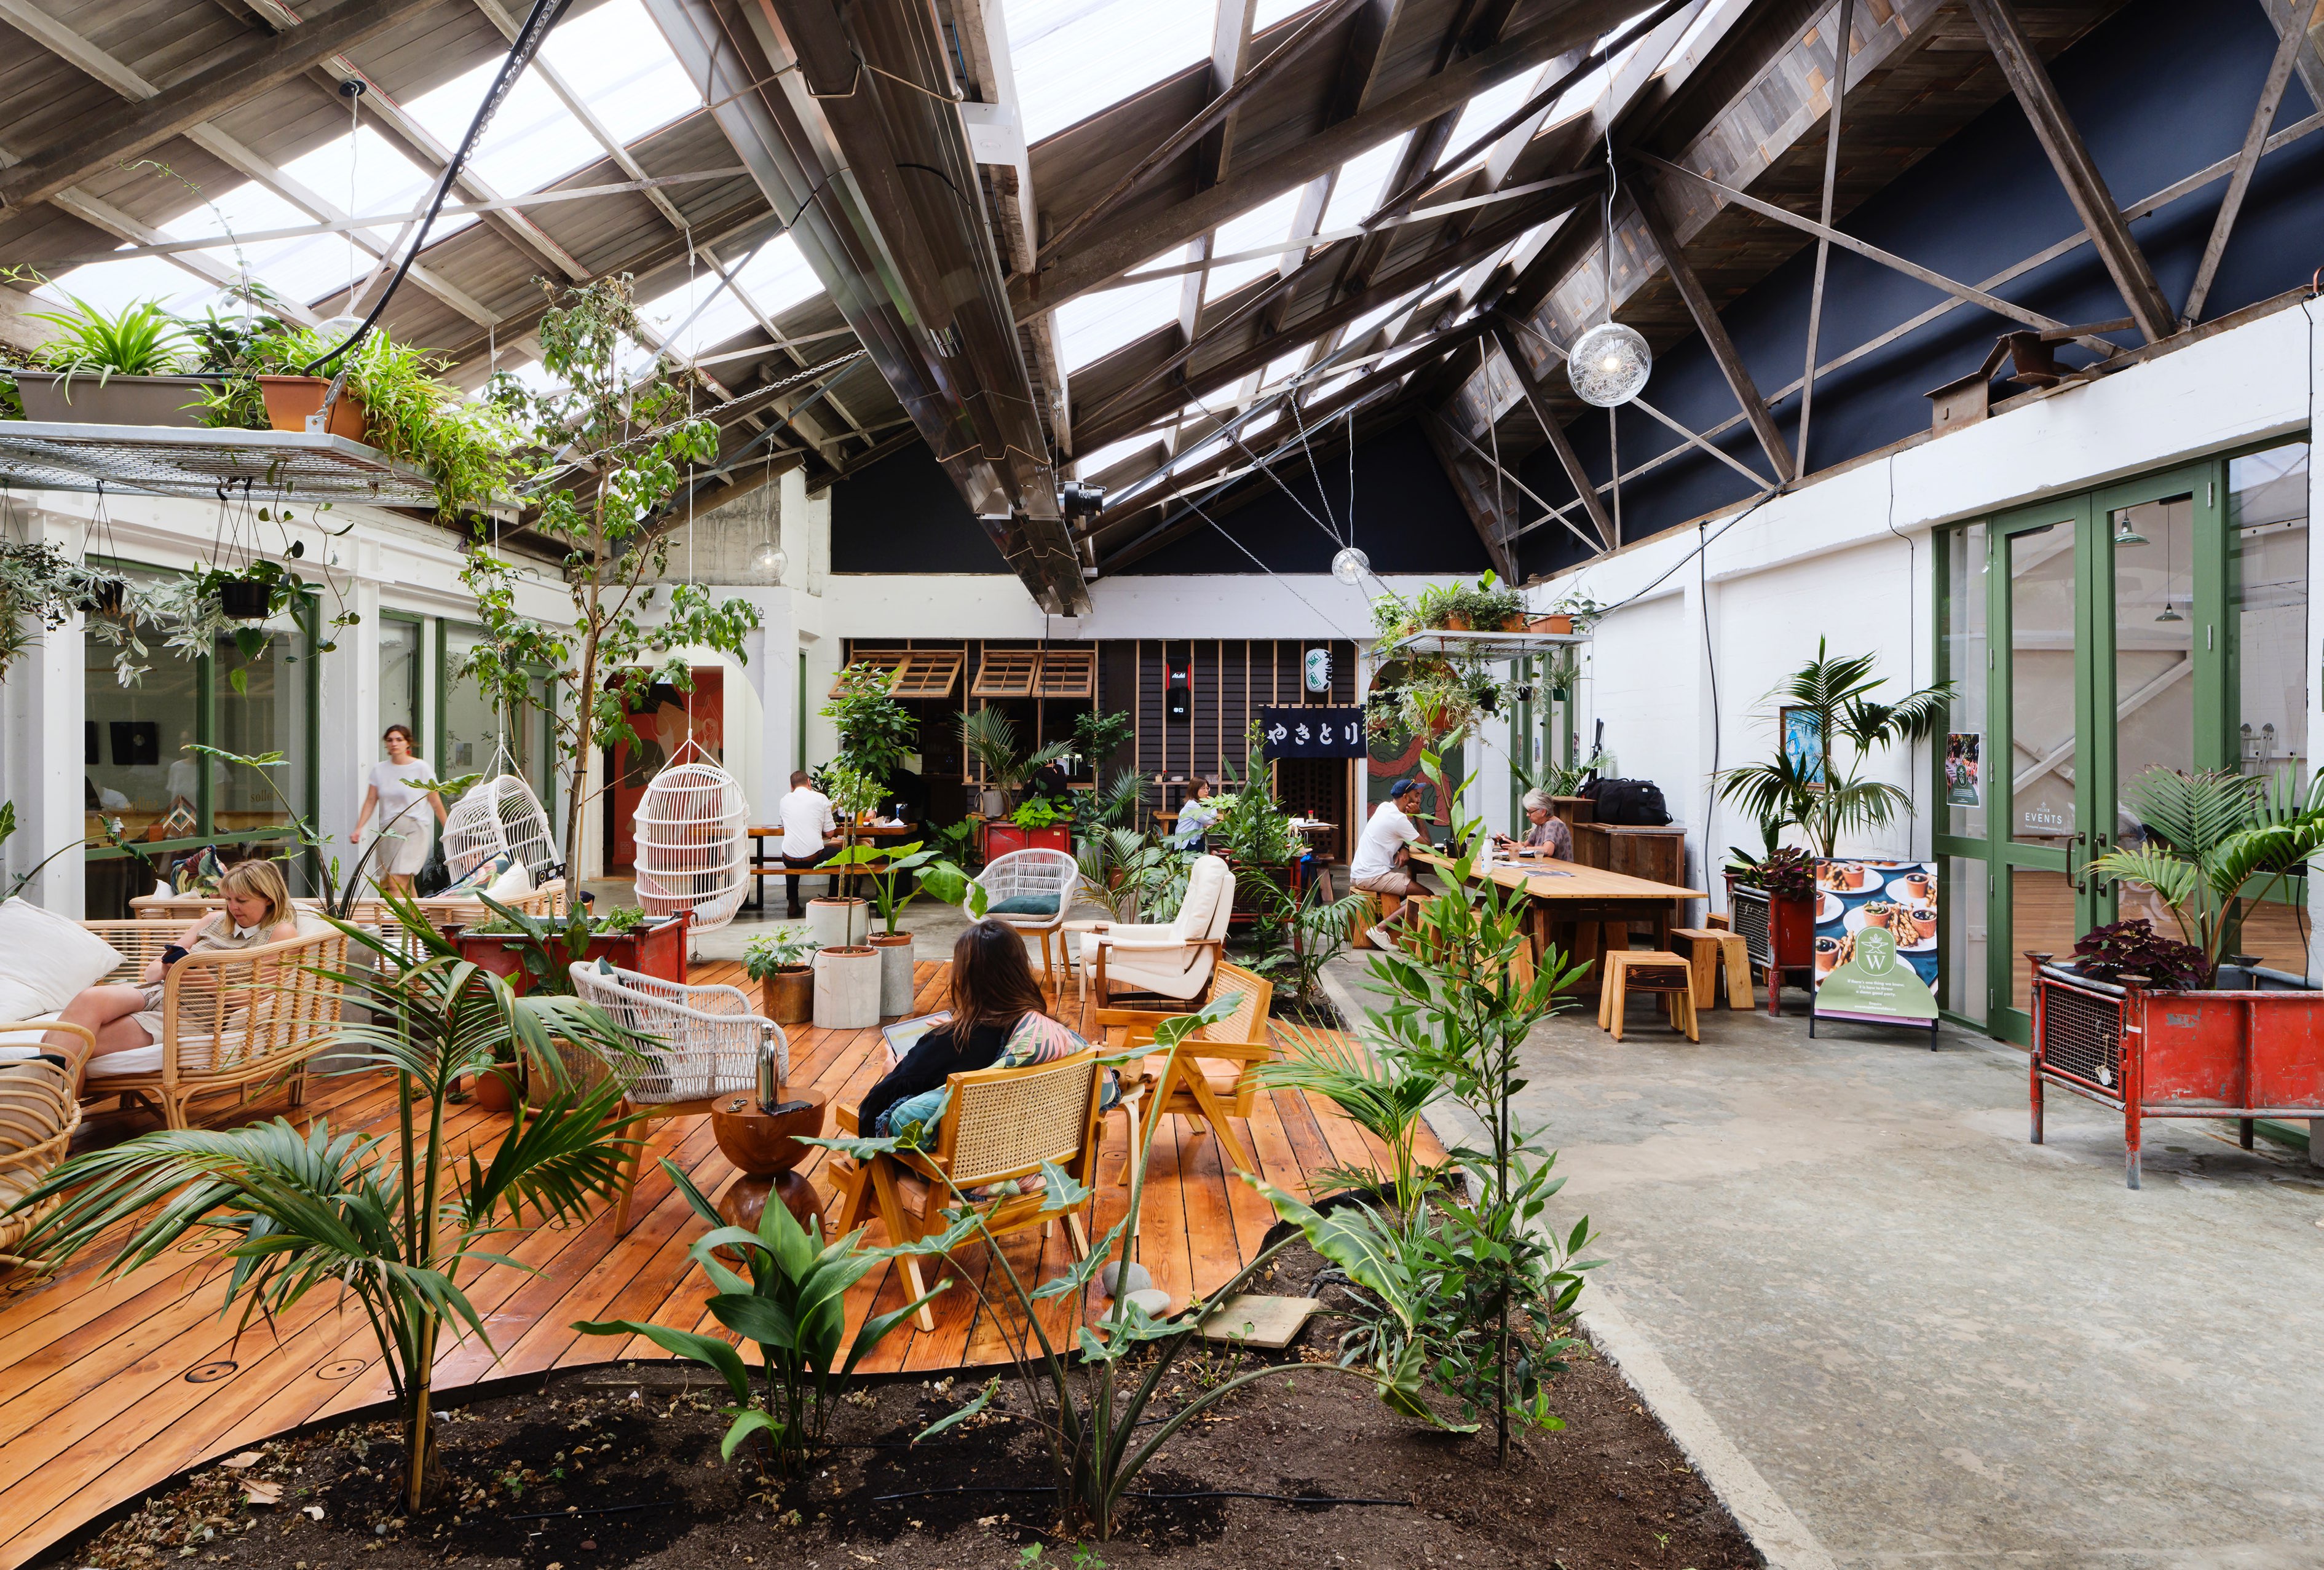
[
  {"x": 653, "y": 951},
  {"x": 1779, "y": 934},
  {"x": 2175, "y": 1054},
  {"x": 1001, "y": 837}
]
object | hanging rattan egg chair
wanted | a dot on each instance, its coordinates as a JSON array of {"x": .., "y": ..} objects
[
  {"x": 499, "y": 816},
  {"x": 692, "y": 853}
]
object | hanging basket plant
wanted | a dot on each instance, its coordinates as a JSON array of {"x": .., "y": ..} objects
[{"x": 244, "y": 599}]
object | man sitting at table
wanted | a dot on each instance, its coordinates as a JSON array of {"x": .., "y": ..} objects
[
  {"x": 810, "y": 833},
  {"x": 1382, "y": 863},
  {"x": 1544, "y": 831}
]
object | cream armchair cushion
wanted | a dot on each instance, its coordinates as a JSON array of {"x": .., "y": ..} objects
[{"x": 1175, "y": 957}]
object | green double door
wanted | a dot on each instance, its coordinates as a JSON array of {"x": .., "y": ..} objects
[{"x": 2093, "y": 638}]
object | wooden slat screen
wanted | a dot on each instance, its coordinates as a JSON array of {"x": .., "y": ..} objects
[
  {"x": 1006, "y": 673},
  {"x": 927, "y": 673},
  {"x": 887, "y": 659},
  {"x": 1067, "y": 673}
]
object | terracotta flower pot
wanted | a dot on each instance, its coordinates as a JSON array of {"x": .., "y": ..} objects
[
  {"x": 895, "y": 950},
  {"x": 788, "y": 994},
  {"x": 1458, "y": 622},
  {"x": 1551, "y": 624},
  {"x": 495, "y": 1089},
  {"x": 1514, "y": 622},
  {"x": 290, "y": 400}
]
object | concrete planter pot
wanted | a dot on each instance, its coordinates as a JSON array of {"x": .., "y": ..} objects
[
  {"x": 895, "y": 950},
  {"x": 847, "y": 987},
  {"x": 85, "y": 399},
  {"x": 838, "y": 923},
  {"x": 788, "y": 994}
]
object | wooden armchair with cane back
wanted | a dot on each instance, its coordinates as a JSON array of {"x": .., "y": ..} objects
[
  {"x": 1000, "y": 1124},
  {"x": 240, "y": 1022},
  {"x": 37, "y": 1114},
  {"x": 1215, "y": 1075}
]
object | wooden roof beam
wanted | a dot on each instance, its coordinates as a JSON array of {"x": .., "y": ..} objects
[
  {"x": 1538, "y": 400},
  {"x": 1103, "y": 258},
  {"x": 2271, "y": 98},
  {"x": 1705, "y": 315},
  {"x": 2078, "y": 172},
  {"x": 244, "y": 73}
]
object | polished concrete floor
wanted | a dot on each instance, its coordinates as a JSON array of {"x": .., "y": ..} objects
[{"x": 1939, "y": 1345}]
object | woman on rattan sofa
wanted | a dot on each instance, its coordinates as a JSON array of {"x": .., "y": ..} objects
[{"x": 126, "y": 1016}]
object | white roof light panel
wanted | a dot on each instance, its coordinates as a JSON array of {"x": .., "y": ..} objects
[
  {"x": 698, "y": 316},
  {"x": 532, "y": 140},
  {"x": 778, "y": 278},
  {"x": 1090, "y": 466},
  {"x": 1267, "y": 13},
  {"x": 1362, "y": 183},
  {"x": 1097, "y": 323},
  {"x": 1268, "y": 224},
  {"x": 1277, "y": 370},
  {"x": 1074, "y": 57},
  {"x": 304, "y": 269},
  {"x": 617, "y": 59},
  {"x": 1486, "y": 110},
  {"x": 110, "y": 286}
]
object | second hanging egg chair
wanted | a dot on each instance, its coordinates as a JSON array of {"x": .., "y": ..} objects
[{"x": 692, "y": 853}]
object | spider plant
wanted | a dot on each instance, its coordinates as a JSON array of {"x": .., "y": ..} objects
[
  {"x": 1838, "y": 690},
  {"x": 395, "y": 1220},
  {"x": 2213, "y": 840},
  {"x": 141, "y": 340}
]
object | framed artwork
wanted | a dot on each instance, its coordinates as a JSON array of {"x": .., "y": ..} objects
[
  {"x": 1802, "y": 733},
  {"x": 1961, "y": 749}
]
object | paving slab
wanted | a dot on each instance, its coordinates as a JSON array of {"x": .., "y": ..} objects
[{"x": 1938, "y": 1344}]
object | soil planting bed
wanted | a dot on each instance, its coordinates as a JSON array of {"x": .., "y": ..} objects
[{"x": 606, "y": 1468}]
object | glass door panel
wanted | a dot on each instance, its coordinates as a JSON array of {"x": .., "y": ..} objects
[
  {"x": 2043, "y": 723},
  {"x": 2152, "y": 547}
]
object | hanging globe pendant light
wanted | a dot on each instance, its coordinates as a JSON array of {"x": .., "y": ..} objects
[
  {"x": 1608, "y": 365},
  {"x": 770, "y": 557},
  {"x": 1350, "y": 566}
]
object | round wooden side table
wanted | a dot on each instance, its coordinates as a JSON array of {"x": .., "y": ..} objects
[{"x": 765, "y": 1149}]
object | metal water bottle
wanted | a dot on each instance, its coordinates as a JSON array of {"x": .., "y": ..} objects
[{"x": 770, "y": 1072}]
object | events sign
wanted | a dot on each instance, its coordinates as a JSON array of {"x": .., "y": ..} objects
[
  {"x": 1876, "y": 942},
  {"x": 1313, "y": 732}
]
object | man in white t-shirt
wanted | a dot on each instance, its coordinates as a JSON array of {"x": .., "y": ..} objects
[
  {"x": 1383, "y": 857},
  {"x": 811, "y": 832}
]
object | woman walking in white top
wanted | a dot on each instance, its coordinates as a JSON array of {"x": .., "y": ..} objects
[{"x": 396, "y": 797}]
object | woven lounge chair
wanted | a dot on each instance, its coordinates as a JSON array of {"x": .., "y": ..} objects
[
  {"x": 1047, "y": 878},
  {"x": 1172, "y": 961},
  {"x": 38, "y": 1115},
  {"x": 1000, "y": 1125},
  {"x": 704, "y": 1042},
  {"x": 240, "y": 1022}
]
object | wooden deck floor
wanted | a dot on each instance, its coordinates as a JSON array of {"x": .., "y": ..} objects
[{"x": 109, "y": 1387}]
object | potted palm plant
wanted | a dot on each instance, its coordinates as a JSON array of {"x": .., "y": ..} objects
[
  {"x": 990, "y": 742},
  {"x": 781, "y": 963}
]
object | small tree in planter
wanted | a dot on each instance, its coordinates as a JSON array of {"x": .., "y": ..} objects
[
  {"x": 876, "y": 733},
  {"x": 1832, "y": 796},
  {"x": 621, "y": 453},
  {"x": 2213, "y": 840}
]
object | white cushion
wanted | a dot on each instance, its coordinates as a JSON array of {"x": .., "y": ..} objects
[
  {"x": 135, "y": 1061},
  {"x": 512, "y": 885},
  {"x": 1206, "y": 881},
  {"x": 46, "y": 960}
]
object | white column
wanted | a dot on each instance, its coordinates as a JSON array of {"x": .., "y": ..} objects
[
  {"x": 348, "y": 745},
  {"x": 45, "y": 774},
  {"x": 2311, "y": 654},
  {"x": 773, "y": 674}
]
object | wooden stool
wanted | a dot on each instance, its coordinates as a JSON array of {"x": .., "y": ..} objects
[
  {"x": 1647, "y": 971},
  {"x": 1707, "y": 948},
  {"x": 1381, "y": 907}
]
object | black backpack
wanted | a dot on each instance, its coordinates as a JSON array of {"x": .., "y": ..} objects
[{"x": 1627, "y": 802}]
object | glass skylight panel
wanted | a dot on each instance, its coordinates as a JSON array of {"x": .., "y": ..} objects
[
  {"x": 1486, "y": 110},
  {"x": 532, "y": 140},
  {"x": 697, "y": 316},
  {"x": 1090, "y": 466},
  {"x": 1267, "y": 13},
  {"x": 1097, "y": 323},
  {"x": 777, "y": 277},
  {"x": 1268, "y": 223},
  {"x": 304, "y": 269},
  {"x": 1362, "y": 184},
  {"x": 618, "y": 61},
  {"x": 1074, "y": 57},
  {"x": 109, "y": 286}
]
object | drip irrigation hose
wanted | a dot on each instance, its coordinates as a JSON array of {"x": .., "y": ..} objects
[
  {"x": 527, "y": 43},
  {"x": 1319, "y": 1500}
]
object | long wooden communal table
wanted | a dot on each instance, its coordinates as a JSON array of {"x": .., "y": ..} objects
[{"x": 1581, "y": 909}]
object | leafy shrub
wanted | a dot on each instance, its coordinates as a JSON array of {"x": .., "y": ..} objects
[
  {"x": 2134, "y": 948},
  {"x": 1785, "y": 872}
]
